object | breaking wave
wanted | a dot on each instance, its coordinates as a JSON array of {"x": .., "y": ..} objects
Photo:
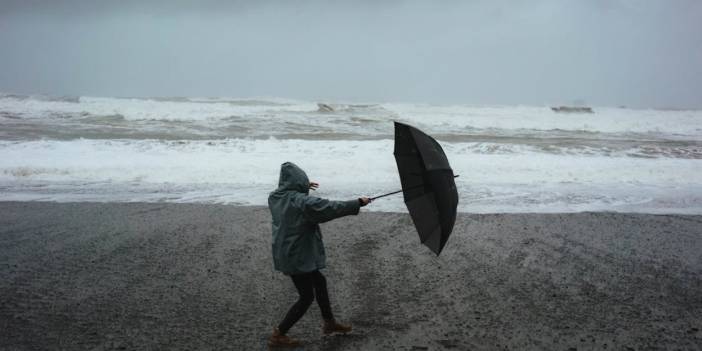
[{"x": 183, "y": 149}]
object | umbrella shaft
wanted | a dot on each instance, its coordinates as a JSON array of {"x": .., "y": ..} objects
[
  {"x": 388, "y": 194},
  {"x": 399, "y": 191}
]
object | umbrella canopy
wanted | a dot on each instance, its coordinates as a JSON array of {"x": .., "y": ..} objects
[{"x": 428, "y": 185}]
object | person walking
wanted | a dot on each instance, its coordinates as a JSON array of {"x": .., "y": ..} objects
[{"x": 298, "y": 250}]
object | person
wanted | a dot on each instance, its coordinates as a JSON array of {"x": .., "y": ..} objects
[{"x": 298, "y": 250}]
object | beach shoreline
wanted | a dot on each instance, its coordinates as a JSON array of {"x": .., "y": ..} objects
[{"x": 143, "y": 276}]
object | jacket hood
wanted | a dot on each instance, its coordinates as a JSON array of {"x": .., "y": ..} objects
[{"x": 294, "y": 178}]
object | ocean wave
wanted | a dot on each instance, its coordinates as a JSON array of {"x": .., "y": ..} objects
[
  {"x": 141, "y": 109},
  {"x": 494, "y": 177},
  {"x": 25, "y": 172},
  {"x": 261, "y": 116},
  {"x": 245, "y": 159},
  {"x": 517, "y": 158},
  {"x": 46, "y": 98}
]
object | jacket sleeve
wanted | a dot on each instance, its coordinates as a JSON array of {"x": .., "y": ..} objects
[{"x": 319, "y": 210}]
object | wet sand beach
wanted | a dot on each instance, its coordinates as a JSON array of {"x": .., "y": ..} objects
[{"x": 140, "y": 276}]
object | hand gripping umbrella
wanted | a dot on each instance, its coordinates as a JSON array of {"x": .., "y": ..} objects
[{"x": 428, "y": 185}]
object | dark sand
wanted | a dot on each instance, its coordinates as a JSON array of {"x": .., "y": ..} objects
[{"x": 198, "y": 277}]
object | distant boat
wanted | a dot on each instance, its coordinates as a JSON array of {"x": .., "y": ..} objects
[{"x": 572, "y": 109}]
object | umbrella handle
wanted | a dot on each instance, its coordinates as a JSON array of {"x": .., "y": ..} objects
[{"x": 399, "y": 191}]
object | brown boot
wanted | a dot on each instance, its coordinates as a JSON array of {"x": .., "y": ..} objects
[
  {"x": 279, "y": 340},
  {"x": 332, "y": 326}
]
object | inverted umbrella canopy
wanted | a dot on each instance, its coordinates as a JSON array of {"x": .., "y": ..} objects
[{"x": 428, "y": 185}]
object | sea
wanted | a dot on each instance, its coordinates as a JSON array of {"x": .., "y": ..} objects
[{"x": 228, "y": 151}]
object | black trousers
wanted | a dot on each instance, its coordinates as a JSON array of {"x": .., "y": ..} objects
[{"x": 309, "y": 285}]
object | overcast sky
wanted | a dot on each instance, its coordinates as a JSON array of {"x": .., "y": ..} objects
[{"x": 642, "y": 53}]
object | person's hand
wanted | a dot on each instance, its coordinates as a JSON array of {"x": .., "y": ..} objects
[
  {"x": 364, "y": 201},
  {"x": 314, "y": 185}
]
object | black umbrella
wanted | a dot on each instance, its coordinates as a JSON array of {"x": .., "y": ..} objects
[{"x": 427, "y": 185}]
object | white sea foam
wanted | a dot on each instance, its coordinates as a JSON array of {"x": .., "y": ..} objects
[
  {"x": 244, "y": 170},
  {"x": 147, "y": 109},
  {"x": 364, "y": 119},
  {"x": 604, "y": 120},
  {"x": 511, "y": 159}
]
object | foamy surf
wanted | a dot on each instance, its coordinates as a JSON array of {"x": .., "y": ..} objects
[
  {"x": 243, "y": 171},
  {"x": 226, "y": 150}
]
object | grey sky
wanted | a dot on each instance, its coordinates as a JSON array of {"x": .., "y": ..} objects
[{"x": 644, "y": 53}]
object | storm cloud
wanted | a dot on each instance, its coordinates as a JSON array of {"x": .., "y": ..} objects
[{"x": 619, "y": 52}]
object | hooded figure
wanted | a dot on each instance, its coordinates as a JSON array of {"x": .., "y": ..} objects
[
  {"x": 298, "y": 250},
  {"x": 297, "y": 238}
]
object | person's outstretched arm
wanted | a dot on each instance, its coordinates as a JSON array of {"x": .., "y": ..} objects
[{"x": 320, "y": 210}]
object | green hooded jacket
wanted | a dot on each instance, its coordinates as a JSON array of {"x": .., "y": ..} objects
[{"x": 297, "y": 238}]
